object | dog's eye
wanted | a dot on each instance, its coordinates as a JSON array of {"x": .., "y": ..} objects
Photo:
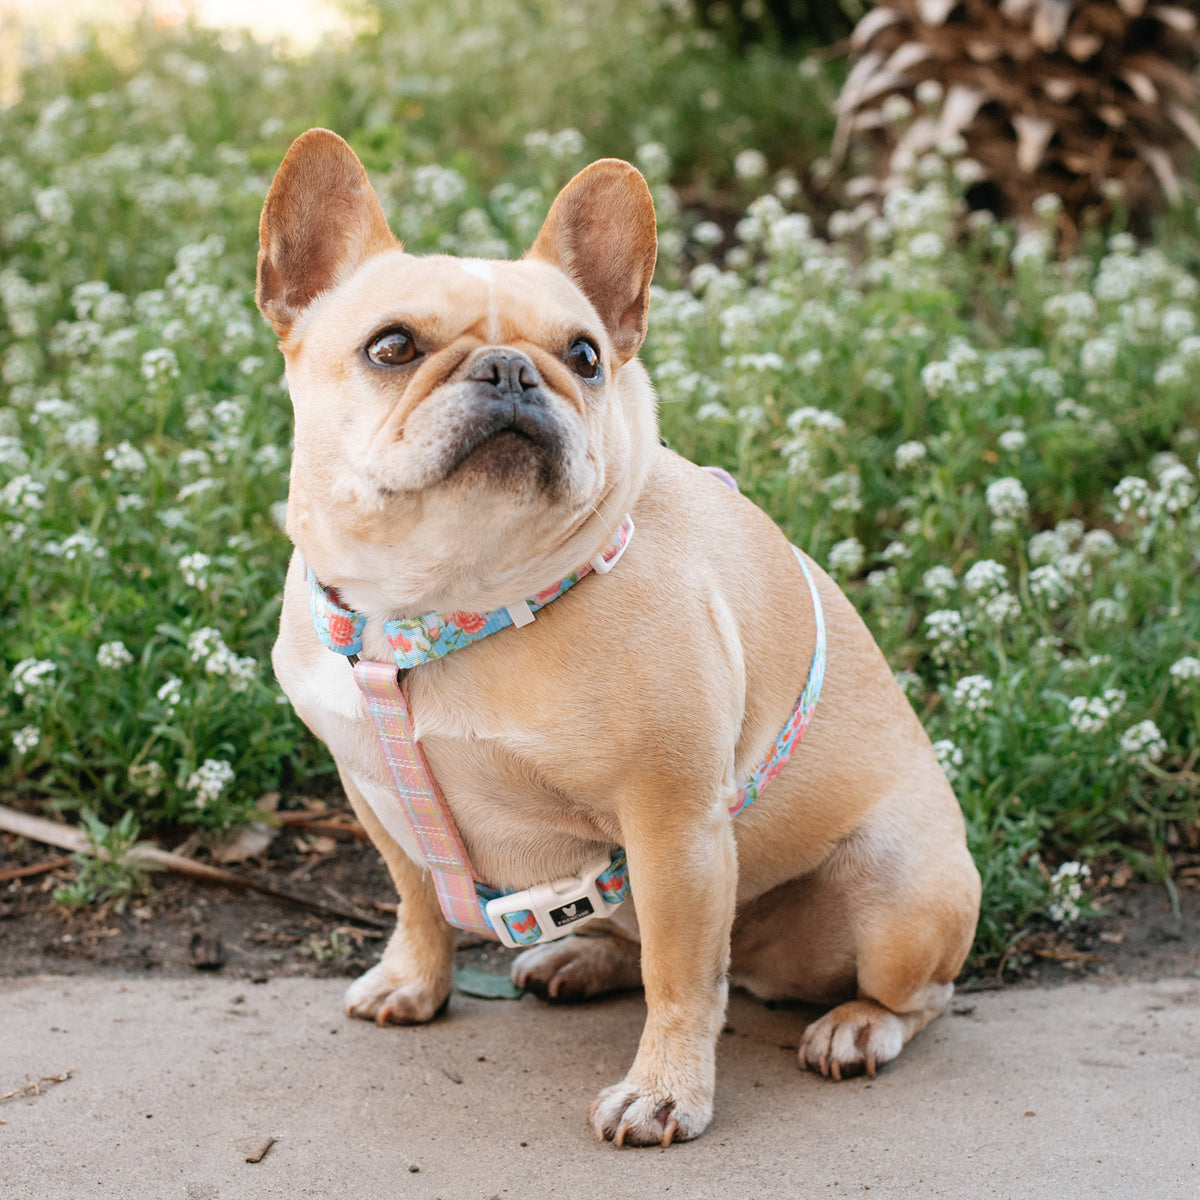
[
  {"x": 393, "y": 348},
  {"x": 584, "y": 359}
]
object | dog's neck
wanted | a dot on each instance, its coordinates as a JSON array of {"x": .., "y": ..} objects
[{"x": 416, "y": 640}]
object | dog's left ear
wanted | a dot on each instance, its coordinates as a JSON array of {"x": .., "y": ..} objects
[
  {"x": 601, "y": 233},
  {"x": 321, "y": 219}
]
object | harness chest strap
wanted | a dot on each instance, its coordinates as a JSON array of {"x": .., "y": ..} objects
[{"x": 546, "y": 911}]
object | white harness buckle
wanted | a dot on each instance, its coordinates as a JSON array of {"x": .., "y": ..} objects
[{"x": 559, "y": 907}]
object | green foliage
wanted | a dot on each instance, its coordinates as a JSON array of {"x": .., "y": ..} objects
[
  {"x": 107, "y": 872},
  {"x": 994, "y": 452}
]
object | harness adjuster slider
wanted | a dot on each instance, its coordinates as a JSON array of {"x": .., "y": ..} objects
[
  {"x": 602, "y": 565},
  {"x": 559, "y": 907}
]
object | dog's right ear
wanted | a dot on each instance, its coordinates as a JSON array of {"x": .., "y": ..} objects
[{"x": 321, "y": 220}]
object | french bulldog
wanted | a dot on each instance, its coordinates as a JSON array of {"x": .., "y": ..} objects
[{"x": 468, "y": 434}]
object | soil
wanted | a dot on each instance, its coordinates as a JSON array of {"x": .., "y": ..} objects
[{"x": 343, "y": 906}]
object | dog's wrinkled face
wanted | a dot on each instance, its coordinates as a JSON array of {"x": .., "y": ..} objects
[{"x": 461, "y": 424}]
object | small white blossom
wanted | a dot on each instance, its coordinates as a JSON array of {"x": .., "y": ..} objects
[
  {"x": 939, "y": 582},
  {"x": 1090, "y": 714},
  {"x": 846, "y": 557},
  {"x": 950, "y": 756},
  {"x": 1013, "y": 440},
  {"x": 26, "y": 738},
  {"x": 937, "y": 377},
  {"x": 1007, "y": 498},
  {"x": 985, "y": 578},
  {"x": 973, "y": 693},
  {"x": 31, "y": 675},
  {"x": 1105, "y": 612},
  {"x": 1099, "y": 544},
  {"x": 750, "y": 164},
  {"x": 1048, "y": 585},
  {"x": 1185, "y": 668},
  {"x": 947, "y": 629},
  {"x": 1067, "y": 888},
  {"x": 1001, "y": 608},
  {"x": 1143, "y": 743},
  {"x": 171, "y": 692},
  {"x": 194, "y": 569},
  {"x": 127, "y": 458},
  {"x": 908, "y": 454},
  {"x": 113, "y": 656},
  {"x": 210, "y": 780}
]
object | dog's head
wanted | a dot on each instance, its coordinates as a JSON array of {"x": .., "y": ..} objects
[{"x": 467, "y": 430}]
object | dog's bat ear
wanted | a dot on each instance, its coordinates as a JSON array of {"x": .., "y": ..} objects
[
  {"x": 601, "y": 233},
  {"x": 321, "y": 219}
]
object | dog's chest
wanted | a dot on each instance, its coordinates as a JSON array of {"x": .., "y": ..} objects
[{"x": 493, "y": 769}]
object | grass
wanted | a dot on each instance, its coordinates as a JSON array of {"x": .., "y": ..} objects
[{"x": 994, "y": 451}]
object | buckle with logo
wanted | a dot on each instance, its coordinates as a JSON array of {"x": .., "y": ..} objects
[{"x": 560, "y": 907}]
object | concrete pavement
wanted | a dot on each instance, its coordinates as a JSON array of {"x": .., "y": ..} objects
[{"x": 1091, "y": 1090}]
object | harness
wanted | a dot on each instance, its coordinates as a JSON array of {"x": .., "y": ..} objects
[{"x": 549, "y": 910}]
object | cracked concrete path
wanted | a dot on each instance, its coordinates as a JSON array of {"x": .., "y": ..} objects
[{"x": 1091, "y": 1090}]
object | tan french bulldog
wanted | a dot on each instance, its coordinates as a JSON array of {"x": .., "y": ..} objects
[{"x": 467, "y": 433}]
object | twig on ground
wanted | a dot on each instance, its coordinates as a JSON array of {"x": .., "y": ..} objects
[
  {"x": 66, "y": 837},
  {"x": 34, "y": 1088},
  {"x": 10, "y": 873}
]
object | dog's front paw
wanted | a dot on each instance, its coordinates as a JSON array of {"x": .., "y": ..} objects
[
  {"x": 385, "y": 996},
  {"x": 630, "y": 1116},
  {"x": 858, "y": 1036},
  {"x": 575, "y": 968}
]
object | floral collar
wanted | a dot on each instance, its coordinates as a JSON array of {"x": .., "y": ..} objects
[{"x": 416, "y": 640}]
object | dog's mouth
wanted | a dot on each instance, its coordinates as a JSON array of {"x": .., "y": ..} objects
[{"x": 505, "y": 442}]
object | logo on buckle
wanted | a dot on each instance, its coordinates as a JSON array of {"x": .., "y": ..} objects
[{"x": 568, "y": 914}]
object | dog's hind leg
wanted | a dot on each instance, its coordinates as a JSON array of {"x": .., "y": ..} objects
[
  {"x": 411, "y": 982},
  {"x": 579, "y": 966}
]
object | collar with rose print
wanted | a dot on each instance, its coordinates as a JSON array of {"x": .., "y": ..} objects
[{"x": 416, "y": 640}]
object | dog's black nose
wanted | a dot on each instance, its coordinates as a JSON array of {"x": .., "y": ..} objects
[{"x": 510, "y": 372}]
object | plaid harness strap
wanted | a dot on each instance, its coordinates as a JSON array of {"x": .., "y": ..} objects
[{"x": 546, "y": 911}]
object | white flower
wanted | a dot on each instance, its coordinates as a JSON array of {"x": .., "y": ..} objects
[
  {"x": 846, "y": 557},
  {"x": 1132, "y": 494},
  {"x": 1047, "y": 584},
  {"x": 1012, "y": 440},
  {"x": 1066, "y": 885},
  {"x": 815, "y": 418},
  {"x": 127, "y": 458},
  {"x": 113, "y": 656},
  {"x": 936, "y": 377},
  {"x": 929, "y": 93},
  {"x": 1098, "y": 357},
  {"x": 750, "y": 164},
  {"x": 1143, "y": 743},
  {"x": 210, "y": 780},
  {"x": 1007, "y": 498},
  {"x": 194, "y": 569},
  {"x": 973, "y": 693},
  {"x": 160, "y": 363},
  {"x": 939, "y": 582},
  {"x": 1002, "y": 607},
  {"x": 1104, "y": 612},
  {"x": 909, "y": 681},
  {"x": 947, "y": 629},
  {"x": 24, "y": 492},
  {"x": 26, "y": 739},
  {"x": 205, "y": 641},
  {"x": 950, "y": 756},
  {"x": 170, "y": 692},
  {"x": 1098, "y": 543},
  {"x": 1090, "y": 714},
  {"x": 986, "y": 577},
  {"x": 31, "y": 675},
  {"x": 908, "y": 454},
  {"x": 1185, "y": 668}
]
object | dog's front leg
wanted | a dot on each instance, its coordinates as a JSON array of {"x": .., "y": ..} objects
[
  {"x": 410, "y": 983},
  {"x": 684, "y": 879}
]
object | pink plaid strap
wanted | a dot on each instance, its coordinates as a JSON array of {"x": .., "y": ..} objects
[{"x": 425, "y": 808}]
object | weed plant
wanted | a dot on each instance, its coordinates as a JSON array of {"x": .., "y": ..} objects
[{"x": 994, "y": 450}]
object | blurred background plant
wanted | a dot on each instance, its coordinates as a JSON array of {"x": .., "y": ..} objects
[{"x": 987, "y": 431}]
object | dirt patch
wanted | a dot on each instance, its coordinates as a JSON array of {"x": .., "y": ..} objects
[{"x": 1144, "y": 931}]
